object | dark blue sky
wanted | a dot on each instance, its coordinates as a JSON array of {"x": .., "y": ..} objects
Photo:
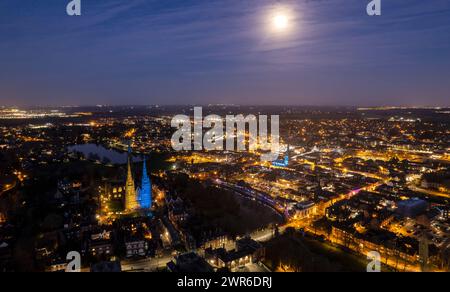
[{"x": 224, "y": 51}]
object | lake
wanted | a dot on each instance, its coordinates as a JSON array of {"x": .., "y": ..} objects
[
  {"x": 100, "y": 153},
  {"x": 155, "y": 161}
]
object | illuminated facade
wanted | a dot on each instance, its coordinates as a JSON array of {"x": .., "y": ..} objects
[
  {"x": 112, "y": 194},
  {"x": 117, "y": 198},
  {"x": 132, "y": 199}
]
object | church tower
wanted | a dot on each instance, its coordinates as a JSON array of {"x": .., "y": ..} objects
[
  {"x": 287, "y": 155},
  {"x": 145, "y": 195},
  {"x": 131, "y": 203}
]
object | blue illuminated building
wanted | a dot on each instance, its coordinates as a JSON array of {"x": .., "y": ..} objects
[
  {"x": 282, "y": 162},
  {"x": 145, "y": 192}
]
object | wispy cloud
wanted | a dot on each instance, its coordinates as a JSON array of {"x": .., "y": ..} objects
[{"x": 160, "y": 42}]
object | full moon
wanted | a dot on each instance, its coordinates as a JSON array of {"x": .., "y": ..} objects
[{"x": 281, "y": 22}]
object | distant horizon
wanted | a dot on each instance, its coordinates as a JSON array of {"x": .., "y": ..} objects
[{"x": 387, "y": 106}]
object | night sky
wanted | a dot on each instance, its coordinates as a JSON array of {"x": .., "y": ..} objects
[{"x": 225, "y": 51}]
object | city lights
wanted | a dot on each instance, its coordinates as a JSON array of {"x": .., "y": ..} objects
[{"x": 225, "y": 139}]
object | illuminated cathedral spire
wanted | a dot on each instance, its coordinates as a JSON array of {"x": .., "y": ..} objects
[
  {"x": 286, "y": 157},
  {"x": 131, "y": 203},
  {"x": 145, "y": 193},
  {"x": 130, "y": 151}
]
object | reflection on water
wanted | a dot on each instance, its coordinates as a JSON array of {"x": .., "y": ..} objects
[{"x": 102, "y": 154}]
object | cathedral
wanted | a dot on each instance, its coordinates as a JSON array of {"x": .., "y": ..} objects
[
  {"x": 123, "y": 197},
  {"x": 139, "y": 198}
]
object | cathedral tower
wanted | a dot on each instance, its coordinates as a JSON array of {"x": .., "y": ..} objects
[
  {"x": 131, "y": 203},
  {"x": 145, "y": 195}
]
